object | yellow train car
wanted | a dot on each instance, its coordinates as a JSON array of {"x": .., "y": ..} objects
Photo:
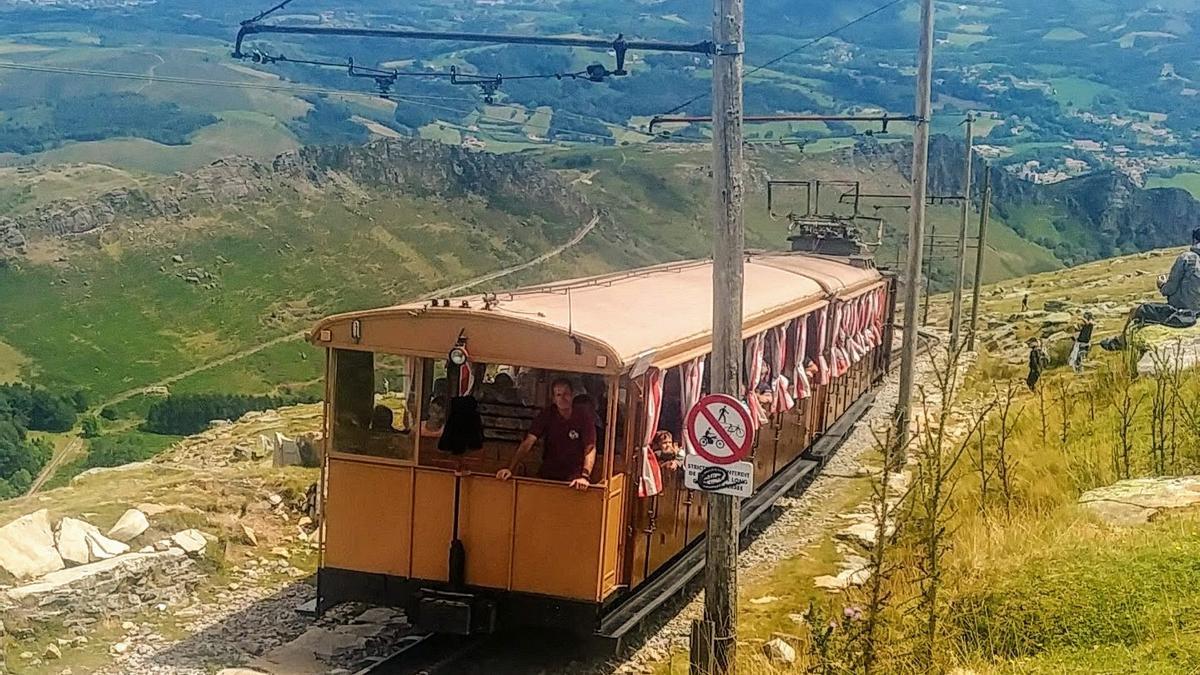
[{"x": 427, "y": 402}]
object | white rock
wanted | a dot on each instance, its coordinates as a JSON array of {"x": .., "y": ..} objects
[
  {"x": 103, "y": 548},
  {"x": 191, "y": 541},
  {"x": 248, "y": 535},
  {"x": 52, "y": 652},
  {"x": 764, "y": 600},
  {"x": 131, "y": 524},
  {"x": 121, "y": 647},
  {"x": 1133, "y": 502},
  {"x": 27, "y": 546},
  {"x": 71, "y": 539},
  {"x": 779, "y": 652}
]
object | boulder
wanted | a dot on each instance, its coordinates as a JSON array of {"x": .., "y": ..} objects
[
  {"x": 103, "y": 548},
  {"x": 130, "y": 525},
  {"x": 248, "y": 535},
  {"x": 779, "y": 652},
  {"x": 52, "y": 652},
  {"x": 191, "y": 541},
  {"x": 27, "y": 546},
  {"x": 71, "y": 541}
]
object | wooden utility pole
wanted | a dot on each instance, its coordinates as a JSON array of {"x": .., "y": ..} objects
[
  {"x": 927, "y": 272},
  {"x": 916, "y": 225},
  {"x": 714, "y": 639},
  {"x": 984, "y": 215},
  {"x": 960, "y": 261}
]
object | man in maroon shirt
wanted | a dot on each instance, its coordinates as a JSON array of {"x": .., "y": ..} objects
[{"x": 568, "y": 440}]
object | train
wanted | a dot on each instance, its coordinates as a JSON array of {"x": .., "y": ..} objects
[{"x": 437, "y": 498}]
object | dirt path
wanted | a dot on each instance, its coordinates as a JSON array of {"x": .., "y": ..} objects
[{"x": 56, "y": 461}]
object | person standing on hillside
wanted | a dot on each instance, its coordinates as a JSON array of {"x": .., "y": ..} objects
[
  {"x": 1037, "y": 361},
  {"x": 1083, "y": 343},
  {"x": 1025, "y": 303},
  {"x": 1181, "y": 287}
]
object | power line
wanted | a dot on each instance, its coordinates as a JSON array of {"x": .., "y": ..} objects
[{"x": 788, "y": 54}]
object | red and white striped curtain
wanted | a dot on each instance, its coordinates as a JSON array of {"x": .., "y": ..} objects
[
  {"x": 824, "y": 367},
  {"x": 650, "y": 481},
  {"x": 782, "y": 401},
  {"x": 839, "y": 350},
  {"x": 801, "y": 387},
  {"x": 692, "y": 374},
  {"x": 752, "y": 350}
]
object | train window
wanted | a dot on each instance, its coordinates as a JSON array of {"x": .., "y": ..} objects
[
  {"x": 508, "y": 399},
  {"x": 371, "y": 402}
]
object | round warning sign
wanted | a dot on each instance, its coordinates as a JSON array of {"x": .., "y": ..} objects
[{"x": 719, "y": 429}]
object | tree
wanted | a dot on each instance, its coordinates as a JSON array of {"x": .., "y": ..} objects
[{"x": 91, "y": 427}]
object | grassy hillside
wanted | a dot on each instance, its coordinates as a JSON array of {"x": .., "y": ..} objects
[{"x": 111, "y": 312}]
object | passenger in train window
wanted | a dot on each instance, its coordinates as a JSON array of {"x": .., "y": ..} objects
[
  {"x": 433, "y": 425},
  {"x": 568, "y": 436},
  {"x": 667, "y": 451},
  {"x": 502, "y": 390},
  {"x": 382, "y": 419},
  {"x": 812, "y": 370}
]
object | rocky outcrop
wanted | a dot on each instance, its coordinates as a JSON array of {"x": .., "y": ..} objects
[
  {"x": 417, "y": 167},
  {"x": 1119, "y": 216}
]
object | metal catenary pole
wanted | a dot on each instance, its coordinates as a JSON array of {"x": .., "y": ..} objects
[
  {"x": 715, "y": 637},
  {"x": 984, "y": 215},
  {"x": 960, "y": 264},
  {"x": 916, "y": 229}
]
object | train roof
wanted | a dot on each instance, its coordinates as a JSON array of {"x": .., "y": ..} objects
[{"x": 658, "y": 315}]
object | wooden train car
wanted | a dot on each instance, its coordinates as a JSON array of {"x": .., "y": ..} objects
[{"x": 425, "y": 402}]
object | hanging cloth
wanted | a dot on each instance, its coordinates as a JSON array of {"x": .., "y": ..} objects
[
  {"x": 801, "y": 386},
  {"x": 650, "y": 480},
  {"x": 824, "y": 368},
  {"x": 692, "y": 374},
  {"x": 840, "y": 361},
  {"x": 464, "y": 427},
  {"x": 781, "y": 385},
  {"x": 752, "y": 353}
]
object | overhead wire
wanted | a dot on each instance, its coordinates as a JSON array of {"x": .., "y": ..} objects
[{"x": 788, "y": 54}]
